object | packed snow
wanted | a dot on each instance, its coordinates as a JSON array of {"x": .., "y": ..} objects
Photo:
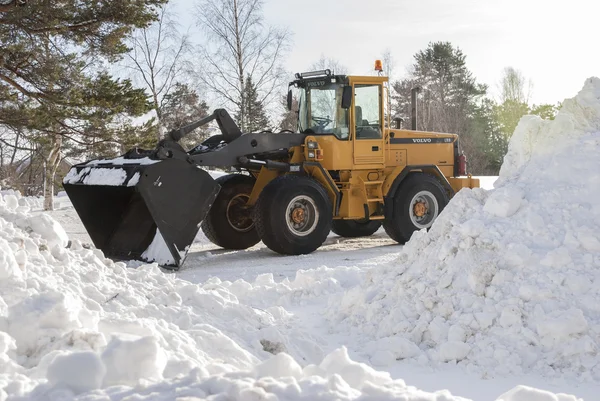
[
  {"x": 503, "y": 284},
  {"x": 122, "y": 160},
  {"x": 104, "y": 176},
  {"x": 506, "y": 281},
  {"x": 75, "y": 324},
  {"x": 158, "y": 251}
]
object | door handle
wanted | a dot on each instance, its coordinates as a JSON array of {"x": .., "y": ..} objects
[{"x": 375, "y": 148}]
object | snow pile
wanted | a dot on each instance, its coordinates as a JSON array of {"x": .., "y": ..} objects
[
  {"x": 506, "y": 281},
  {"x": 73, "y": 323},
  {"x": 42, "y": 228},
  {"x": 27, "y": 202}
]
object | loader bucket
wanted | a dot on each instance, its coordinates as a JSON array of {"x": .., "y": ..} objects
[{"x": 141, "y": 209}]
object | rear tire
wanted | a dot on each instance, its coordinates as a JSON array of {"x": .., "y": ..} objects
[
  {"x": 229, "y": 224},
  {"x": 417, "y": 203},
  {"x": 293, "y": 215},
  {"x": 355, "y": 228}
]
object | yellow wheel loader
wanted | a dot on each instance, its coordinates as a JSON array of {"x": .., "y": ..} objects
[{"x": 345, "y": 171}]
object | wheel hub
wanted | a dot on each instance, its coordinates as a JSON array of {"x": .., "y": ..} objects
[
  {"x": 420, "y": 209},
  {"x": 298, "y": 215},
  {"x": 239, "y": 214},
  {"x": 302, "y": 215},
  {"x": 423, "y": 209}
]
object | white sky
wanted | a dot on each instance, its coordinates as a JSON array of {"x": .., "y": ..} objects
[{"x": 557, "y": 45}]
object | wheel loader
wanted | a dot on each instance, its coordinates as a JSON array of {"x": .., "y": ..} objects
[{"x": 345, "y": 170}]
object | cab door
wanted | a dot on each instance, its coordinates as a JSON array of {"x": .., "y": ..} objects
[{"x": 367, "y": 117}]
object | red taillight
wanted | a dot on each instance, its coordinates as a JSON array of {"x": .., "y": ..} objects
[{"x": 462, "y": 165}]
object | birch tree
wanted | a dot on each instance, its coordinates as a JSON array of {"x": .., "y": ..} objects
[
  {"x": 159, "y": 57},
  {"x": 389, "y": 64},
  {"x": 330, "y": 63},
  {"x": 239, "y": 44}
]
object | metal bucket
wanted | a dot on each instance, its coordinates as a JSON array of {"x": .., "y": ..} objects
[{"x": 141, "y": 209}]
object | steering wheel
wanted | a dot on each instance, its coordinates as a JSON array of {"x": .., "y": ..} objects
[{"x": 322, "y": 121}]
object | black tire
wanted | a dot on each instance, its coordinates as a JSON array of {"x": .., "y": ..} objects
[
  {"x": 401, "y": 225},
  {"x": 274, "y": 207},
  {"x": 355, "y": 228},
  {"x": 228, "y": 224}
]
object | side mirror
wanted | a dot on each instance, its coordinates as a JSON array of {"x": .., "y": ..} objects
[
  {"x": 347, "y": 97},
  {"x": 289, "y": 100}
]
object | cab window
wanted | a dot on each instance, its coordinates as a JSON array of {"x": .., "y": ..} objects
[
  {"x": 321, "y": 111},
  {"x": 367, "y": 111}
]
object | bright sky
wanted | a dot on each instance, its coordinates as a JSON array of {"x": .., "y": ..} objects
[{"x": 554, "y": 44}]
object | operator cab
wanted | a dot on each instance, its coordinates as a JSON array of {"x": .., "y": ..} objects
[
  {"x": 325, "y": 101},
  {"x": 346, "y": 112}
]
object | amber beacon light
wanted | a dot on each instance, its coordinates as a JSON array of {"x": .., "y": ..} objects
[{"x": 378, "y": 65}]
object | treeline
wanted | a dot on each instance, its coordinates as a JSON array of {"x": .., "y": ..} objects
[{"x": 83, "y": 79}]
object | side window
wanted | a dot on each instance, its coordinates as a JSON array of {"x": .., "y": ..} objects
[{"x": 367, "y": 111}]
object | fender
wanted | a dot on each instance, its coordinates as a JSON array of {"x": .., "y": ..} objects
[
  {"x": 318, "y": 172},
  {"x": 431, "y": 169}
]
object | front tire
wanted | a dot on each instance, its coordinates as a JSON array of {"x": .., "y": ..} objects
[
  {"x": 355, "y": 228},
  {"x": 293, "y": 215},
  {"x": 417, "y": 203},
  {"x": 229, "y": 223}
]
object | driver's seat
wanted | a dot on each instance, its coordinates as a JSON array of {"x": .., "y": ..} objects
[
  {"x": 363, "y": 129},
  {"x": 358, "y": 117}
]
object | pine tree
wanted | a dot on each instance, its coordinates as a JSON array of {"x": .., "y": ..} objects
[
  {"x": 448, "y": 100},
  {"x": 255, "y": 118},
  {"x": 449, "y": 91},
  {"x": 181, "y": 107},
  {"x": 486, "y": 141},
  {"x": 53, "y": 83}
]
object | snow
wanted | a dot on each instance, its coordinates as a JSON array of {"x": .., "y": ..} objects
[
  {"x": 112, "y": 176},
  {"x": 100, "y": 176},
  {"x": 121, "y": 160},
  {"x": 524, "y": 393},
  {"x": 79, "y": 371},
  {"x": 503, "y": 283},
  {"x": 74, "y": 324},
  {"x": 158, "y": 251},
  {"x": 129, "y": 362},
  {"x": 134, "y": 179},
  {"x": 501, "y": 291}
]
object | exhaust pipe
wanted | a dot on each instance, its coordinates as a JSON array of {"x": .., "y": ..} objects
[{"x": 413, "y": 103}]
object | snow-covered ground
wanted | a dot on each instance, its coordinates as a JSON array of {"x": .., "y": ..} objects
[{"x": 503, "y": 291}]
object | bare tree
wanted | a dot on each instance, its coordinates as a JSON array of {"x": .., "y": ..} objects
[
  {"x": 389, "y": 63},
  {"x": 388, "y": 69},
  {"x": 515, "y": 90},
  {"x": 330, "y": 63},
  {"x": 158, "y": 59},
  {"x": 239, "y": 44},
  {"x": 514, "y": 86}
]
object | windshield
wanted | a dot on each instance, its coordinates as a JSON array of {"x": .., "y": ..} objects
[{"x": 320, "y": 110}]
